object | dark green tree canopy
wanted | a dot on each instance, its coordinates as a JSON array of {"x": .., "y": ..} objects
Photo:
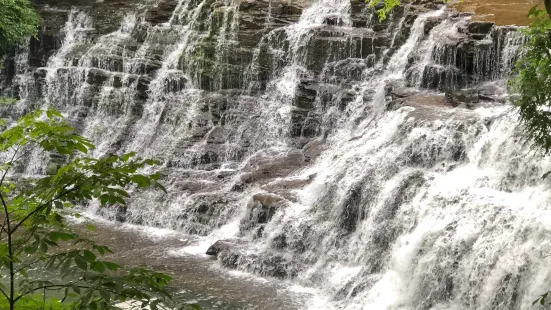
[
  {"x": 532, "y": 84},
  {"x": 18, "y": 21}
]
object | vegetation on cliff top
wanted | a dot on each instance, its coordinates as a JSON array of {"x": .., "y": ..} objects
[{"x": 18, "y": 22}]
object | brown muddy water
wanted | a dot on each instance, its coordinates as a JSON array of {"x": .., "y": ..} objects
[
  {"x": 502, "y": 12},
  {"x": 196, "y": 278}
]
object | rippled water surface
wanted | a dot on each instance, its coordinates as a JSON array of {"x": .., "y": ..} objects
[{"x": 196, "y": 278}]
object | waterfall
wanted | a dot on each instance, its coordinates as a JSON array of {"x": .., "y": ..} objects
[{"x": 313, "y": 140}]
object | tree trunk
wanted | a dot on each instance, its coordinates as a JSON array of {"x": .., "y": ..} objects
[{"x": 548, "y": 7}]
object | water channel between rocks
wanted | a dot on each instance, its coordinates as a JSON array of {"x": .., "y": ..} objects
[{"x": 197, "y": 278}]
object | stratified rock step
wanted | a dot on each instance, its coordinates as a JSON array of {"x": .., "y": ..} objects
[{"x": 232, "y": 255}]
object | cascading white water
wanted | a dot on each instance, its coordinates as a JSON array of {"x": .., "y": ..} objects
[{"x": 277, "y": 130}]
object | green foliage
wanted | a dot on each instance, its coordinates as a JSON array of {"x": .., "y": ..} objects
[
  {"x": 532, "y": 83},
  {"x": 388, "y": 5},
  {"x": 36, "y": 241},
  {"x": 18, "y": 21},
  {"x": 542, "y": 300},
  {"x": 7, "y": 101},
  {"x": 36, "y": 302}
]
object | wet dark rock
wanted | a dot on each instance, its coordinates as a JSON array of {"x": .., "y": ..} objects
[
  {"x": 441, "y": 77},
  {"x": 267, "y": 264},
  {"x": 476, "y": 27},
  {"x": 280, "y": 241},
  {"x": 492, "y": 92},
  {"x": 148, "y": 67},
  {"x": 351, "y": 209},
  {"x": 304, "y": 123},
  {"x": 400, "y": 91},
  {"x": 217, "y": 135},
  {"x": 219, "y": 246},
  {"x": 260, "y": 210},
  {"x": 266, "y": 166},
  {"x": 193, "y": 186},
  {"x": 253, "y": 13},
  {"x": 97, "y": 77},
  {"x": 333, "y": 21},
  {"x": 121, "y": 214},
  {"x": 333, "y": 43},
  {"x": 347, "y": 70},
  {"x": 285, "y": 187},
  {"x": 431, "y": 23},
  {"x": 142, "y": 86},
  {"x": 463, "y": 96},
  {"x": 306, "y": 95},
  {"x": 204, "y": 213},
  {"x": 160, "y": 13}
]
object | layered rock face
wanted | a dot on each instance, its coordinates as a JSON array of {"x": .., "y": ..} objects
[{"x": 313, "y": 140}]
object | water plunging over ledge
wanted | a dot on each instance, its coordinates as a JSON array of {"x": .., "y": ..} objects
[{"x": 313, "y": 141}]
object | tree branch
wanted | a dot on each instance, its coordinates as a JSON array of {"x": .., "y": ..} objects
[
  {"x": 3, "y": 293},
  {"x": 52, "y": 287},
  {"x": 42, "y": 206},
  {"x": 10, "y": 241}
]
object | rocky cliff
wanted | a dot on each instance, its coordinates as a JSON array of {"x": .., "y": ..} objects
[{"x": 312, "y": 136}]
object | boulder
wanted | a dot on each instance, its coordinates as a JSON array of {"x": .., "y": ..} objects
[
  {"x": 203, "y": 212},
  {"x": 466, "y": 96},
  {"x": 260, "y": 210},
  {"x": 219, "y": 246},
  {"x": 266, "y": 264}
]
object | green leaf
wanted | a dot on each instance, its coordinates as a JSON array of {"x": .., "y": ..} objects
[
  {"x": 111, "y": 266},
  {"x": 66, "y": 266},
  {"x": 100, "y": 249},
  {"x": 98, "y": 267},
  {"x": 140, "y": 180},
  {"x": 81, "y": 262},
  {"x": 81, "y": 148},
  {"x": 127, "y": 156},
  {"x": 43, "y": 247},
  {"x": 160, "y": 186},
  {"x": 105, "y": 295},
  {"x": 30, "y": 249},
  {"x": 89, "y": 256},
  {"x": 75, "y": 289}
]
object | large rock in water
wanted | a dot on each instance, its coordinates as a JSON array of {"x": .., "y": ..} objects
[
  {"x": 469, "y": 97},
  {"x": 260, "y": 211},
  {"x": 219, "y": 246}
]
